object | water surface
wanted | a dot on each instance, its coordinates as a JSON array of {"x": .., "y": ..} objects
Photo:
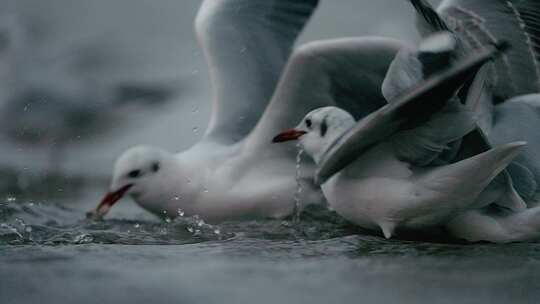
[{"x": 49, "y": 253}]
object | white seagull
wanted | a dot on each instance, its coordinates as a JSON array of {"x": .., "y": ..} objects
[
  {"x": 227, "y": 175},
  {"x": 505, "y": 101},
  {"x": 391, "y": 173},
  {"x": 405, "y": 169},
  {"x": 260, "y": 88}
]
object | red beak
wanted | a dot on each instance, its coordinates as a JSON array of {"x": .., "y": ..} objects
[
  {"x": 287, "y": 135},
  {"x": 109, "y": 200}
]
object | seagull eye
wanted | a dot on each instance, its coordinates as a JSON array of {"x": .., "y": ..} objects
[
  {"x": 134, "y": 173},
  {"x": 309, "y": 123},
  {"x": 155, "y": 167},
  {"x": 324, "y": 127}
]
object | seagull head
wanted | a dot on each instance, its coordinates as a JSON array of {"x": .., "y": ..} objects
[
  {"x": 136, "y": 173},
  {"x": 318, "y": 130}
]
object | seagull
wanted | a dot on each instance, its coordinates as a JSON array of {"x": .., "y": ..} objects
[
  {"x": 234, "y": 172},
  {"x": 505, "y": 101},
  {"x": 261, "y": 86},
  {"x": 247, "y": 44},
  {"x": 407, "y": 172}
]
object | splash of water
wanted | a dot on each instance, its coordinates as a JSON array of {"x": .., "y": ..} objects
[
  {"x": 297, "y": 195},
  {"x": 50, "y": 224},
  {"x": 12, "y": 229}
]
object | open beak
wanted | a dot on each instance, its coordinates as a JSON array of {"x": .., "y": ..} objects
[
  {"x": 108, "y": 201},
  {"x": 288, "y": 135}
]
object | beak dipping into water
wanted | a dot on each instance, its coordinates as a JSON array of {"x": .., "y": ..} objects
[{"x": 107, "y": 202}]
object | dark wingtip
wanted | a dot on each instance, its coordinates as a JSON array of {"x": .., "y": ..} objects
[
  {"x": 502, "y": 46},
  {"x": 429, "y": 15}
]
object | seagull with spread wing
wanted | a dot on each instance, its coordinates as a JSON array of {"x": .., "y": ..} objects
[
  {"x": 261, "y": 86},
  {"x": 391, "y": 172}
]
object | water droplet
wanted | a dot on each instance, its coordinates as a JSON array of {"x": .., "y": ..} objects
[
  {"x": 180, "y": 212},
  {"x": 205, "y": 190},
  {"x": 176, "y": 197},
  {"x": 137, "y": 226},
  {"x": 243, "y": 50},
  {"x": 217, "y": 231},
  {"x": 12, "y": 229},
  {"x": 168, "y": 220},
  {"x": 11, "y": 199},
  {"x": 20, "y": 222},
  {"x": 28, "y": 229},
  {"x": 297, "y": 194},
  {"x": 195, "y": 130},
  {"x": 83, "y": 238},
  {"x": 190, "y": 229}
]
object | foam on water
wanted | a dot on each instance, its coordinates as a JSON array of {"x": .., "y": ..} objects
[
  {"x": 53, "y": 224},
  {"x": 49, "y": 223}
]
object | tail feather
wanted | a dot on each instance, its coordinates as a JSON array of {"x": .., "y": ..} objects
[
  {"x": 510, "y": 198},
  {"x": 471, "y": 176},
  {"x": 481, "y": 225}
]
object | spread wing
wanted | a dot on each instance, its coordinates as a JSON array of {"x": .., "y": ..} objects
[
  {"x": 345, "y": 72},
  {"x": 409, "y": 110},
  {"x": 246, "y": 44},
  {"x": 482, "y": 22}
]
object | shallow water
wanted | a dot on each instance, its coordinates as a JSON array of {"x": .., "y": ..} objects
[{"x": 49, "y": 253}]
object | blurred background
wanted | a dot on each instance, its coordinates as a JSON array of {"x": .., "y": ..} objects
[{"x": 81, "y": 81}]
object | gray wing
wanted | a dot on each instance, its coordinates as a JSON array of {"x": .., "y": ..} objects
[
  {"x": 436, "y": 141},
  {"x": 246, "y": 44},
  {"x": 482, "y": 22},
  {"x": 411, "y": 65},
  {"x": 346, "y": 72},
  {"x": 410, "y": 110},
  {"x": 519, "y": 119}
]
